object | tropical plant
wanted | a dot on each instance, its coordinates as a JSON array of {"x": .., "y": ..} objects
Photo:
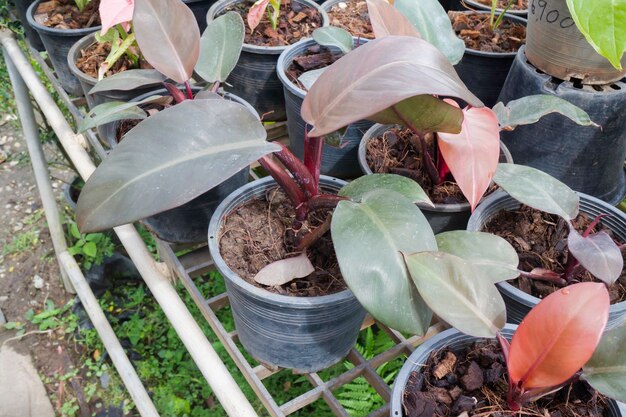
[
  {"x": 258, "y": 9},
  {"x": 168, "y": 36},
  {"x": 562, "y": 340},
  {"x": 594, "y": 252}
]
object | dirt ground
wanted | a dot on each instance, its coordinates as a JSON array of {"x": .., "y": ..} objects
[{"x": 29, "y": 273}]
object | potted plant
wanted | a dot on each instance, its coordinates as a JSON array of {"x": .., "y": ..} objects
[
  {"x": 297, "y": 68},
  {"x": 350, "y": 15},
  {"x": 577, "y": 40},
  {"x": 382, "y": 205},
  {"x": 557, "y": 245},
  {"x": 219, "y": 47},
  {"x": 270, "y": 32},
  {"x": 30, "y": 33},
  {"x": 469, "y": 154},
  {"x": 491, "y": 43},
  {"x": 514, "y": 7},
  {"x": 555, "y": 361},
  {"x": 60, "y": 25}
]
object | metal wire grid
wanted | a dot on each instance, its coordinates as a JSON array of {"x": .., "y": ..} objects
[{"x": 193, "y": 264}]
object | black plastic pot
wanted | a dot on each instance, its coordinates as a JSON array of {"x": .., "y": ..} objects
[
  {"x": 484, "y": 73},
  {"x": 187, "y": 223},
  {"x": 306, "y": 334},
  {"x": 474, "y": 5},
  {"x": 71, "y": 191},
  {"x": 556, "y": 46},
  {"x": 31, "y": 34},
  {"x": 455, "y": 341},
  {"x": 87, "y": 82},
  {"x": 518, "y": 303},
  {"x": 588, "y": 159},
  {"x": 58, "y": 43},
  {"x": 441, "y": 217},
  {"x": 254, "y": 77},
  {"x": 340, "y": 162},
  {"x": 200, "y": 9}
]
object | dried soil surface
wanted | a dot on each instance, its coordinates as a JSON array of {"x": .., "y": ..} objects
[
  {"x": 315, "y": 57},
  {"x": 473, "y": 381},
  {"x": 475, "y": 31},
  {"x": 395, "y": 153},
  {"x": 540, "y": 240},
  {"x": 63, "y": 14},
  {"x": 352, "y": 16},
  {"x": 295, "y": 22},
  {"x": 30, "y": 276},
  {"x": 94, "y": 56},
  {"x": 260, "y": 232},
  {"x": 517, "y": 4}
]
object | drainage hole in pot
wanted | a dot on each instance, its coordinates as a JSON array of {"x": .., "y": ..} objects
[
  {"x": 537, "y": 70},
  {"x": 553, "y": 83},
  {"x": 577, "y": 83},
  {"x": 615, "y": 87}
]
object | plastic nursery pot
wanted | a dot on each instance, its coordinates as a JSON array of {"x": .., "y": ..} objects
[
  {"x": 200, "y": 9},
  {"x": 442, "y": 217},
  {"x": 31, "y": 34},
  {"x": 555, "y": 45},
  {"x": 484, "y": 73},
  {"x": 588, "y": 159},
  {"x": 187, "y": 223},
  {"x": 87, "y": 82},
  {"x": 306, "y": 334},
  {"x": 58, "y": 43},
  {"x": 475, "y": 5},
  {"x": 340, "y": 162},
  {"x": 455, "y": 341},
  {"x": 519, "y": 303},
  {"x": 71, "y": 191},
  {"x": 254, "y": 77}
]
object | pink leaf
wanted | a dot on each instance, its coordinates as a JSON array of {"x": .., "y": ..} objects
[
  {"x": 255, "y": 14},
  {"x": 558, "y": 336},
  {"x": 113, "y": 12},
  {"x": 387, "y": 20},
  {"x": 473, "y": 154}
]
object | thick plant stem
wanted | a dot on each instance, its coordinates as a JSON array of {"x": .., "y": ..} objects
[
  {"x": 427, "y": 158},
  {"x": 289, "y": 186},
  {"x": 313, "y": 157},
  {"x": 555, "y": 279},
  {"x": 176, "y": 94},
  {"x": 299, "y": 171},
  {"x": 325, "y": 201}
]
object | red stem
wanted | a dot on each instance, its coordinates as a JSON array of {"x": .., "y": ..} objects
[
  {"x": 289, "y": 186},
  {"x": 189, "y": 93},
  {"x": 299, "y": 171},
  {"x": 313, "y": 157},
  {"x": 593, "y": 224},
  {"x": 555, "y": 280},
  {"x": 176, "y": 94},
  {"x": 325, "y": 201}
]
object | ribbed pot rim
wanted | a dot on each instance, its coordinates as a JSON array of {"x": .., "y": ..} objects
[
  {"x": 219, "y": 7},
  {"x": 283, "y": 300},
  {"x": 378, "y": 129},
  {"x": 54, "y": 31}
]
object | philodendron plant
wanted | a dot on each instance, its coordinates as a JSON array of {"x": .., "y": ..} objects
[
  {"x": 594, "y": 252},
  {"x": 561, "y": 341},
  {"x": 467, "y": 143},
  {"x": 169, "y": 38},
  {"x": 187, "y": 149}
]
